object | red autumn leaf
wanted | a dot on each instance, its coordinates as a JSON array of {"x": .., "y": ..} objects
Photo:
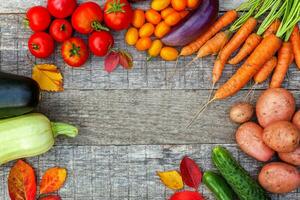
[
  {"x": 125, "y": 59},
  {"x": 53, "y": 180},
  {"x": 111, "y": 61},
  {"x": 21, "y": 182},
  {"x": 187, "y": 195},
  {"x": 51, "y": 197},
  {"x": 190, "y": 172}
]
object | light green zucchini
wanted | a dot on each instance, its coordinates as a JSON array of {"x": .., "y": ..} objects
[{"x": 29, "y": 135}]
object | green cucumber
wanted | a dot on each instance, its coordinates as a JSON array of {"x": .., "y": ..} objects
[
  {"x": 236, "y": 176},
  {"x": 218, "y": 185}
]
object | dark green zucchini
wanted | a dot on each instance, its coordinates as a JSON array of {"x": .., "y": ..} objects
[
  {"x": 218, "y": 185},
  {"x": 18, "y": 95},
  {"x": 236, "y": 176}
]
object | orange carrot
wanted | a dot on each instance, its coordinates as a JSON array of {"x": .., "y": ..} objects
[
  {"x": 222, "y": 22},
  {"x": 250, "y": 44},
  {"x": 292, "y": 58},
  {"x": 236, "y": 41},
  {"x": 214, "y": 45},
  {"x": 295, "y": 40},
  {"x": 263, "y": 52},
  {"x": 284, "y": 60},
  {"x": 265, "y": 71},
  {"x": 272, "y": 29}
]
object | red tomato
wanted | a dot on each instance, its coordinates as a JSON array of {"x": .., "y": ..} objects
[
  {"x": 74, "y": 52},
  {"x": 38, "y": 18},
  {"x": 118, "y": 14},
  {"x": 100, "y": 42},
  {"x": 61, "y": 8},
  {"x": 61, "y": 30},
  {"x": 87, "y": 17},
  {"x": 41, "y": 45}
]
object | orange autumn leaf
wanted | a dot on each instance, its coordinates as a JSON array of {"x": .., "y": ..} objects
[
  {"x": 51, "y": 197},
  {"x": 48, "y": 77},
  {"x": 171, "y": 179},
  {"x": 53, "y": 180},
  {"x": 21, "y": 182}
]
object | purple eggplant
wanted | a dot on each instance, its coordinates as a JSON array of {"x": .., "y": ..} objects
[{"x": 202, "y": 18}]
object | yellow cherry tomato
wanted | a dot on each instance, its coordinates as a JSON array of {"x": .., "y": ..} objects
[
  {"x": 132, "y": 36},
  {"x": 146, "y": 30},
  {"x": 143, "y": 44},
  {"x": 153, "y": 16},
  {"x": 162, "y": 29},
  {"x": 138, "y": 18},
  {"x": 155, "y": 48},
  {"x": 169, "y": 53},
  {"x": 160, "y": 4}
]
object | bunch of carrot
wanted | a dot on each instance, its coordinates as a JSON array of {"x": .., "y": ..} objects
[
  {"x": 157, "y": 21},
  {"x": 278, "y": 33}
]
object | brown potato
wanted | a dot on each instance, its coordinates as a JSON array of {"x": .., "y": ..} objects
[
  {"x": 275, "y": 104},
  {"x": 249, "y": 138},
  {"x": 282, "y": 136},
  {"x": 296, "y": 119},
  {"x": 279, "y": 177},
  {"x": 292, "y": 157},
  {"x": 241, "y": 112}
]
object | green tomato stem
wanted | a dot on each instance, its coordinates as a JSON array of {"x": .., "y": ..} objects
[{"x": 97, "y": 26}]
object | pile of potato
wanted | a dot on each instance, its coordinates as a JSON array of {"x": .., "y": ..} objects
[{"x": 277, "y": 130}]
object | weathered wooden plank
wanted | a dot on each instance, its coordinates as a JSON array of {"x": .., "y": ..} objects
[
  {"x": 145, "y": 75},
  {"x": 20, "y": 6},
  {"x": 141, "y": 116},
  {"x": 126, "y": 172}
]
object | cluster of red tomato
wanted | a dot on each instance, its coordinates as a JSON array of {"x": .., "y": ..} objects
[{"x": 85, "y": 18}]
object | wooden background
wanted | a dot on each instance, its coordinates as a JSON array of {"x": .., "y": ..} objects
[{"x": 131, "y": 122}]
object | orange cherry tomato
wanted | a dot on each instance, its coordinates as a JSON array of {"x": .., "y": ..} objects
[
  {"x": 164, "y": 13},
  {"x": 153, "y": 16},
  {"x": 184, "y": 13},
  {"x": 173, "y": 18},
  {"x": 161, "y": 29},
  {"x": 146, "y": 30},
  {"x": 138, "y": 18},
  {"x": 179, "y": 5},
  {"x": 192, "y": 4},
  {"x": 143, "y": 44}
]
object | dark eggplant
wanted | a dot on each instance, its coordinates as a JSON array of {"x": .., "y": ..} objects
[
  {"x": 202, "y": 18},
  {"x": 18, "y": 95}
]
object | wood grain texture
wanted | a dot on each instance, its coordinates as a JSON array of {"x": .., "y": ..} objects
[
  {"x": 142, "y": 116},
  {"x": 133, "y": 109},
  {"x": 20, "y": 6},
  {"x": 145, "y": 75},
  {"x": 126, "y": 172}
]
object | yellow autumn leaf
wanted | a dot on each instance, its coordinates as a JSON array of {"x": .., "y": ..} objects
[
  {"x": 48, "y": 77},
  {"x": 171, "y": 179}
]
